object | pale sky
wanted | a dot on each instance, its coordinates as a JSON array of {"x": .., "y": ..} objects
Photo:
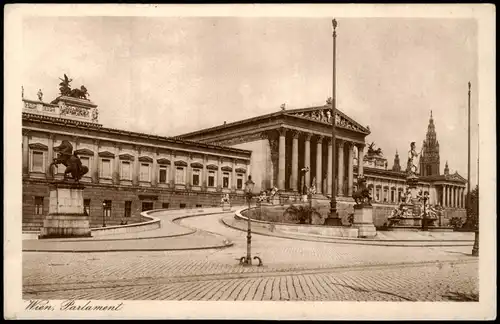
[{"x": 169, "y": 76}]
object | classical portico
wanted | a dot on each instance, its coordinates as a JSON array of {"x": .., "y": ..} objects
[
  {"x": 288, "y": 141},
  {"x": 292, "y": 150}
]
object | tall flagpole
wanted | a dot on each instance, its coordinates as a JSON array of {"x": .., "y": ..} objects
[
  {"x": 468, "y": 158},
  {"x": 475, "y": 248},
  {"x": 333, "y": 219}
]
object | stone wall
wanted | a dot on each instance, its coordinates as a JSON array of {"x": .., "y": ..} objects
[
  {"x": 381, "y": 212},
  {"x": 118, "y": 195}
]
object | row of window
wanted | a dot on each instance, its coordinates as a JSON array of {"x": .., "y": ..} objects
[
  {"x": 145, "y": 172},
  {"x": 106, "y": 207},
  {"x": 393, "y": 195}
]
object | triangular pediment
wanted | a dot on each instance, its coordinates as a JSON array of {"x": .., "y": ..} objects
[
  {"x": 323, "y": 115},
  {"x": 84, "y": 151},
  {"x": 196, "y": 165},
  {"x": 145, "y": 159},
  {"x": 212, "y": 167},
  {"x": 38, "y": 146},
  {"x": 455, "y": 176},
  {"x": 106, "y": 154},
  {"x": 126, "y": 156},
  {"x": 163, "y": 161}
]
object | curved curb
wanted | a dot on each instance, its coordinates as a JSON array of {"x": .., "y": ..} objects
[
  {"x": 345, "y": 241},
  {"x": 136, "y": 250},
  {"x": 191, "y": 231},
  {"x": 174, "y": 218},
  {"x": 238, "y": 215}
]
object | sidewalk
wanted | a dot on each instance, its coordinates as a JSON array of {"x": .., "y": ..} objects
[
  {"x": 385, "y": 238},
  {"x": 170, "y": 236}
]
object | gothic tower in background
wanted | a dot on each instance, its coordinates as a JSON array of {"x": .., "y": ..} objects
[
  {"x": 396, "y": 166},
  {"x": 429, "y": 161}
]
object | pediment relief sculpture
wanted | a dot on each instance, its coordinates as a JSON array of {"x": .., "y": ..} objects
[{"x": 325, "y": 116}]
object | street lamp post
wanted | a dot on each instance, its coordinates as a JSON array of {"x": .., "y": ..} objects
[
  {"x": 475, "y": 248},
  {"x": 247, "y": 261},
  {"x": 103, "y": 214},
  {"x": 424, "y": 218}
]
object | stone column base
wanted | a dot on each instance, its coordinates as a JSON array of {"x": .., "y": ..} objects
[
  {"x": 66, "y": 218},
  {"x": 363, "y": 221},
  {"x": 65, "y": 226}
]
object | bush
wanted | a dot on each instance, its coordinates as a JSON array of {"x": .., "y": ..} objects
[
  {"x": 302, "y": 215},
  {"x": 350, "y": 219},
  {"x": 456, "y": 222}
]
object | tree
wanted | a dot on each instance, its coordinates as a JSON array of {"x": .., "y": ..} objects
[{"x": 472, "y": 209}]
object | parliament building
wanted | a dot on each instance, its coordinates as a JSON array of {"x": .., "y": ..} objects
[{"x": 131, "y": 172}]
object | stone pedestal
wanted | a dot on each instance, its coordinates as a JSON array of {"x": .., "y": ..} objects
[
  {"x": 363, "y": 221},
  {"x": 226, "y": 206},
  {"x": 66, "y": 216}
]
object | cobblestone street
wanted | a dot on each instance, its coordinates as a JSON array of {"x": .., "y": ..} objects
[{"x": 293, "y": 270}]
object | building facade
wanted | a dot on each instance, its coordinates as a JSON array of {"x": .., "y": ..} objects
[
  {"x": 131, "y": 172},
  {"x": 128, "y": 172},
  {"x": 288, "y": 141}
]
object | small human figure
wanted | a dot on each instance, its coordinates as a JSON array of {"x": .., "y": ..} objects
[{"x": 40, "y": 95}]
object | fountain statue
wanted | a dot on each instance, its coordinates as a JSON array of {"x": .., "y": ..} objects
[{"x": 414, "y": 210}]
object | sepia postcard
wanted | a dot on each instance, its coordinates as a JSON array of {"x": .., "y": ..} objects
[{"x": 249, "y": 161}]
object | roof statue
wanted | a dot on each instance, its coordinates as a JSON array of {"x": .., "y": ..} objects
[
  {"x": 64, "y": 86},
  {"x": 373, "y": 151},
  {"x": 65, "y": 89},
  {"x": 40, "y": 95}
]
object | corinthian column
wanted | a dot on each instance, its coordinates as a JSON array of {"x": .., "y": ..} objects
[
  {"x": 350, "y": 168},
  {"x": 319, "y": 154},
  {"x": 307, "y": 157},
  {"x": 295, "y": 159},
  {"x": 340, "y": 179},
  {"x": 361, "y": 155},
  {"x": 329, "y": 167},
  {"x": 455, "y": 197},
  {"x": 281, "y": 157}
]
